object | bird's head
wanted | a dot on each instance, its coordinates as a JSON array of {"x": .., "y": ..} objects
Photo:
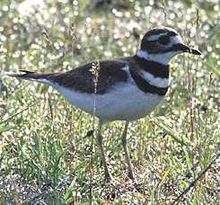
[{"x": 162, "y": 44}]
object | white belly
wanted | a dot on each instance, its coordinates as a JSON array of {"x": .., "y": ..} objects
[{"x": 123, "y": 102}]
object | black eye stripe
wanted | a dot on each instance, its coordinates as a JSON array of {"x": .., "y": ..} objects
[{"x": 164, "y": 40}]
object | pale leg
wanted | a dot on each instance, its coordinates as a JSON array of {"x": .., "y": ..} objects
[
  {"x": 127, "y": 157},
  {"x": 100, "y": 143}
]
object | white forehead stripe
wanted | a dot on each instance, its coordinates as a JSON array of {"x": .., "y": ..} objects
[{"x": 176, "y": 40}]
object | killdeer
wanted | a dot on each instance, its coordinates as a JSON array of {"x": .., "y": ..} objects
[{"x": 127, "y": 88}]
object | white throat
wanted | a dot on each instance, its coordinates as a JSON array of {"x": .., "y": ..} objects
[{"x": 162, "y": 58}]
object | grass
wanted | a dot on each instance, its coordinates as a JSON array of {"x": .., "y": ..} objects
[{"x": 46, "y": 150}]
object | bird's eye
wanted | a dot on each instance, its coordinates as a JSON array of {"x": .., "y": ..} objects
[{"x": 164, "y": 40}]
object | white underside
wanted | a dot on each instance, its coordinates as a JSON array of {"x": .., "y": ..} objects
[{"x": 123, "y": 102}]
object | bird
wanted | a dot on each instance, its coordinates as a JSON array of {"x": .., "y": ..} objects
[{"x": 123, "y": 88}]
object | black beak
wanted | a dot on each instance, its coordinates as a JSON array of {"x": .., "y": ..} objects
[{"x": 187, "y": 49}]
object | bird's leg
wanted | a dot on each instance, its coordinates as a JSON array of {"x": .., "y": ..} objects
[
  {"x": 127, "y": 157},
  {"x": 100, "y": 143}
]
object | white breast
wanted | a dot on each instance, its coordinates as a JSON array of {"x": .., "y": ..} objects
[{"x": 123, "y": 102}]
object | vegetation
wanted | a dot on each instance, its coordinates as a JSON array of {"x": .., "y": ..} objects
[{"x": 48, "y": 155}]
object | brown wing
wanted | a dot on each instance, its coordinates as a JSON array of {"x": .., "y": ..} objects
[{"x": 83, "y": 78}]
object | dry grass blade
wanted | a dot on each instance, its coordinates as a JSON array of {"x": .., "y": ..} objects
[{"x": 193, "y": 183}]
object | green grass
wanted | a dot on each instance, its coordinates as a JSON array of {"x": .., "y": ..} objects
[{"x": 46, "y": 155}]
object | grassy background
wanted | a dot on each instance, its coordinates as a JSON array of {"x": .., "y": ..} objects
[{"x": 46, "y": 156}]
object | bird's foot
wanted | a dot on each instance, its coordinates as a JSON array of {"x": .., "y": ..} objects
[
  {"x": 136, "y": 185},
  {"x": 139, "y": 187},
  {"x": 108, "y": 178},
  {"x": 131, "y": 175}
]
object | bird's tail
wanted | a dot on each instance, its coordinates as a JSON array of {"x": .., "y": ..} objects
[{"x": 29, "y": 75}]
